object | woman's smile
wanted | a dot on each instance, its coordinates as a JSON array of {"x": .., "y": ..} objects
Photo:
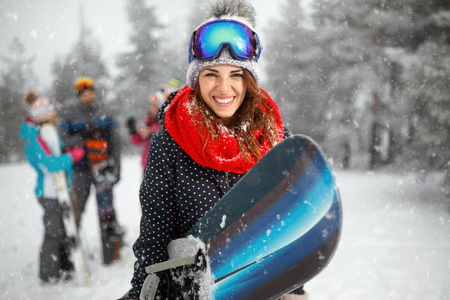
[
  {"x": 223, "y": 100},
  {"x": 223, "y": 89}
]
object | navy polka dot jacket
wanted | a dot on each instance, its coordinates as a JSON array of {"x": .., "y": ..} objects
[{"x": 175, "y": 192}]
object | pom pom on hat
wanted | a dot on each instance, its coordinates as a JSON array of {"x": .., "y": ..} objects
[
  {"x": 238, "y": 10},
  {"x": 30, "y": 97}
]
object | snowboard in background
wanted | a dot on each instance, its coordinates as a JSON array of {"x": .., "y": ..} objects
[
  {"x": 112, "y": 240},
  {"x": 67, "y": 201},
  {"x": 277, "y": 228},
  {"x": 102, "y": 167}
]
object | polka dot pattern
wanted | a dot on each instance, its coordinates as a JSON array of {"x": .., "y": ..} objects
[{"x": 175, "y": 193}]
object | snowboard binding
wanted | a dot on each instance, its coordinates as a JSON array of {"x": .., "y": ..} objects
[{"x": 104, "y": 172}]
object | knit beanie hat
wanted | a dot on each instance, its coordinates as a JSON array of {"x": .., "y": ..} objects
[
  {"x": 84, "y": 83},
  {"x": 238, "y": 10}
]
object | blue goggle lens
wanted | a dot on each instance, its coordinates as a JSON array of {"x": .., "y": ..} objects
[{"x": 208, "y": 40}]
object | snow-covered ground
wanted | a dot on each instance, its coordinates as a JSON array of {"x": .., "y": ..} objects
[{"x": 395, "y": 242}]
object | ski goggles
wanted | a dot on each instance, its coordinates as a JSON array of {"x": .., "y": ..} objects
[{"x": 208, "y": 40}]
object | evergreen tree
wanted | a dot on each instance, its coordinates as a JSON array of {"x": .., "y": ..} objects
[
  {"x": 315, "y": 72},
  {"x": 84, "y": 59},
  {"x": 197, "y": 16},
  {"x": 352, "y": 38},
  {"x": 338, "y": 81},
  {"x": 142, "y": 70},
  {"x": 17, "y": 78},
  {"x": 289, "y": 71},
  {"x": 425, "y": 88}
]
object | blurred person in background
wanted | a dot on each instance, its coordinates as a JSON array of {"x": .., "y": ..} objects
[
  {"x": 89, "y": 124},
  {"x": 54, "y": 262}
]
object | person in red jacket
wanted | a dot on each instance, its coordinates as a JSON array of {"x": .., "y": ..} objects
[{"x": 150, "y": 125}]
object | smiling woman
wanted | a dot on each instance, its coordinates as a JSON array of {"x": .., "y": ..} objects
[
  {"x": 222, "y": 89},
  {"x": 228, "y": 97},
  {"x": 214, "y": 130}
]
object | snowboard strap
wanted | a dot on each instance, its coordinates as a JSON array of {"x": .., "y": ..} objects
[
  {"x": 150, "y": 287},
  {"x": 170, "y": 264},
  {"x": 184, "y": 277}
]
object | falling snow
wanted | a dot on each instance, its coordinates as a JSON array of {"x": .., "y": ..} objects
[{"x": 394, "y": 243}]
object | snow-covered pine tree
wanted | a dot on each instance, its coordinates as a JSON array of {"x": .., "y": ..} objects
[
  {"x": 84, "y": 59},
  {"x": 424, "y": 87},
  {"x": 16, "y": 78},
  {"x": 141, "y": 68},
  {"x": 288, "y": 58},
  {"x": 352, "y": 35}
]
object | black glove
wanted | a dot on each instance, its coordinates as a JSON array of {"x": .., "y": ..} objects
[
  {"x": 131, "y": 124},
  {"x": 170, "y": 287}
]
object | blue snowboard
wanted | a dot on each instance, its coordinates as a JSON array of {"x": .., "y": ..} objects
[{"x": 277, "y": 228}]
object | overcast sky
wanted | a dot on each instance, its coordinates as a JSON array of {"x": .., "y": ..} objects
[{"x": 51, "y": 27}]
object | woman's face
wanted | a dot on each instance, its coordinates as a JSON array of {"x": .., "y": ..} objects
[{"x": 222, "y": 88}]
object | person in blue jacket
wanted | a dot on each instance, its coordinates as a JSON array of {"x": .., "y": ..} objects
[
  {"x": 86, "y": 122},
  {"x": 214, "y": 130},
  {"x": 54, "y": 254}
]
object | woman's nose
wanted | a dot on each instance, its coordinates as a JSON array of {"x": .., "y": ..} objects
[{"x": 223, "y": 85}]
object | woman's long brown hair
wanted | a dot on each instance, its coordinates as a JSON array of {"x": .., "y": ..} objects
[{"x": 253, "y": 114}]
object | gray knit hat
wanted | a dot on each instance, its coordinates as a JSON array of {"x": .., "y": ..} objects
[{"x": 238, "y": 10}]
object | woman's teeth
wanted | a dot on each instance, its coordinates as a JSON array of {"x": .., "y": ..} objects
[{"x": 224, "y": 100}]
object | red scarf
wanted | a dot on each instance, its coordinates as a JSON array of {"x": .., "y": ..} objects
[{"x": 223, "y": 154}]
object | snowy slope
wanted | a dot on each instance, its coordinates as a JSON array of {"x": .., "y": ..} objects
[{"x": 395, "y": 242}]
